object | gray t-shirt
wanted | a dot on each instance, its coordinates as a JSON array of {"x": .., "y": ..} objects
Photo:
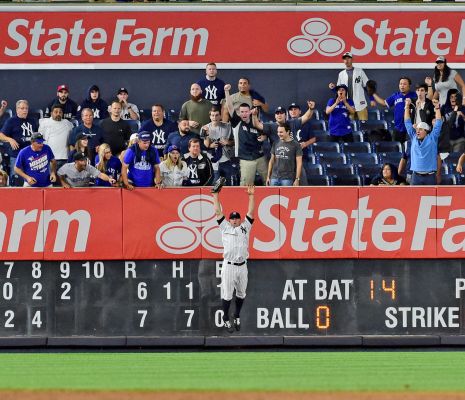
[
  {"x": 285, "y": 165},
  {"x": 76, "y": 178},
  {"x": 222, "y": 131}
]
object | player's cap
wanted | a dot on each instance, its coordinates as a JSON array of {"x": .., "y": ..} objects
[
  {"x": 37, "y": 137},
  {"x": 173, "y": 148},
  {"x": 423, "y": 125},
  {"x": 280, "y": 110},
  {"x": 341, "y": 87},
  {"x": 62, "y": 87},
  {"x": 145, "y": 136},
  {"x": 79, "y": 156},
  {"x": 122, "y": 90},
  {"x": 293, "y": 105},
  {"x": 440, "y": 59},
  {"x": 81, "y": 136},
  {"x": 347, "y": 54},
  {"x": 234, "y": 215}
]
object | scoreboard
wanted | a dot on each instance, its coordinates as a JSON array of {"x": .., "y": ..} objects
[{"x": 181, "y": 298}]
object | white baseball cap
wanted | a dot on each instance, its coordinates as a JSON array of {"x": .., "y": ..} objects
[{"x": 423, "y": 125}]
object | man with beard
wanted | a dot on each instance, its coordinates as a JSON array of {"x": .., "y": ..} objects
[
  {"x": 196, "y": 110},
  {"x": 160, "y": 128},
  {"x": 69, "y": 106},
  {"x": 17, "y": 132},
  {"x": 181, "y": 137},
  {"x": 80, "y": 173},
  {"x": 56, "y": 131},
  {"x": 245, "y": 95}
]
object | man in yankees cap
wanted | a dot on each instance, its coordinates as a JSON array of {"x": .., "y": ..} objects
[{"x": 235, "y": 237}]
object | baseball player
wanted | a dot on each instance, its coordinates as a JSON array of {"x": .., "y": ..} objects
[{"x": 235, "y": 237}]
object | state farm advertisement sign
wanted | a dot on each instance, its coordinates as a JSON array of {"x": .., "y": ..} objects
[
  {"x": 290, "y": 223},
  {"x": 161, "y": 37}
]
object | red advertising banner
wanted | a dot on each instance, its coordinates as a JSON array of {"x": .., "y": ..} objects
[
  {"x": 290, "y": 223},
  {"x": 162, "y": 37}
]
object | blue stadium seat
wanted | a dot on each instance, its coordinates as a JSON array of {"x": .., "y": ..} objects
[
  {"x": 453, "y": 158},
  {"x": 449, "y": 179},
  {"x": 311, "y": 159},
  {"x": 331, "y": 158},
  {"x": 316, "y": 114},
  {"x": 370, "y": 125},
  {"x": 321, "y": 136},
  {"x": 319, "y": 180},
  {"x": 446, "y": 169},
  {"x": 134, "y": 125},
  {"x": 363, "y": 158},
  {"x": 387, "y": 147},
  {"x": 356, "y": 147},
  {"x": 8, "y": 113},
  {"x": 391, "y": 157},
  {"x": 318, "y": 124},
  {"x": 172, "y": 114},
  {"x": 368, "y": 172},
  {"x": 355, "y": 125},
  {"x": 347, "y": 180},
  {"x": 339, "y": 169},
  {"x": 313, "y": 169},
  {"x": 145, "y": 114},
  {"x": 324, "y": 147},
  {"x": 358, "y": 136},
  {"x": 36, "y": 113},
  {"x": 388, "y": 115},
  {"x": 374, "y": 114}
]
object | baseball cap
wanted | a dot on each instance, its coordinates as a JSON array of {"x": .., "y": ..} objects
[
  {"x": 173, "y": 148},
  {"x": 79, "y": 156},
  {"x": 293, "y": 105},
  {"x": 121, "y": 90},
  {"x": 440, "y": 59},
  {"x": 37, "y": 137},
  {"x": 280, "y": 110},
  {"x": 62, "y": 87},
  {"x": 347, "y": 54},
  {"x": 423, "y": 125},
  {"x": 145, "y": 136},
  {"x": 341, "y": 87},
  {"x": 234, "y": 215},
  {"x": 81, "y": 136}
]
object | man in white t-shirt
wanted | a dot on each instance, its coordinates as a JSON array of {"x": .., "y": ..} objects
[{"x": 235, "y": 237}]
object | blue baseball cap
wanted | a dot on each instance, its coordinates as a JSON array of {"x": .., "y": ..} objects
[
  {"x": 37, "y": 137},
  {"x": 145, "y": 136},
  {"x": 173, "y": 148}
]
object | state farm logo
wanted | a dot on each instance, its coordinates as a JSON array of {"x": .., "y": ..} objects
[
  {"x": 315, "y": 36},
  {"x": 197, "y": 225}
]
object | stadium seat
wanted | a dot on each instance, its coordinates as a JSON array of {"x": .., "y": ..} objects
[
  {"x": 368, "y": 172},
  {"x": 387, "y": 147},
  {"x": 36, "y": 113},
  {"x": 374, "y": 115},
  {"x": 319, "y": 180},
  {"x": 331, "y": 158},
  {"x": 8, "y": 113},
  {"x": 446, "y": 169},
  {"x": 316, "y": 115},
  {"x": 321, "y": 136},
  {"x": 363, "y": 158},
  {"x": 391, "y": 157},
  {"x": 145, "y": 114},
  {"x": 317, "y": 124},
  {"x": 313, "y": 169},
  {"x": 453, "y": 158},
  {"x": 388, "y": 115},
  {"x": 339, "y": 169},
  {"x": 358, "y": 136},
  {"x": 380, "y": 126},
  {"x": 172, "y": 114},
  {"x": 356, "y": 147},
  {"x": 134, "y": 125},
  {"x": 355, "y": 125},
  {"x": 449, "y": 179},
  {"x": 347, "y": 180},
  {"x": 324, "y": 147}
]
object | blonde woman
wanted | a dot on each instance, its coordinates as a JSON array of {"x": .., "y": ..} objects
[
  {"x": 107, "y": 163},
  {"x": 173, "y": 170},
  {"x": 132, "y": 140}
]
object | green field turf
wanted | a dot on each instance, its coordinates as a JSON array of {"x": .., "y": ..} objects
[{"x": 275, "y": 371}]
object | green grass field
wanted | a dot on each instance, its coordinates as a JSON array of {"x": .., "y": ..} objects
[{"x": 254, "y": 371}]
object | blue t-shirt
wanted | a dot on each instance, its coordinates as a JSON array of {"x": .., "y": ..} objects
[
  {"x": 339, "y": 119},
  {"x": 113, "y": 170},
  {"x": 36, "y": 164},
  {"x": 181, "y": 142},
  {"x": 160, "y": 133},
  {"x": 141, "y": 173},
  {"x": 212, "y": 90},
  {"x": 21, "y": 130},
  {"x": 304, "y": 134},
  {"x": 397, "y": 101}
]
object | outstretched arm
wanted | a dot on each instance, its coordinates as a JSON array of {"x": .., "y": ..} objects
[
  {"x": 251, "y": 193},
  {"x": 217, "y": 206}
]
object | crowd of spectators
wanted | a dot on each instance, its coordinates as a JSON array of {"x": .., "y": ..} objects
[{"x": 221, "y": 133}]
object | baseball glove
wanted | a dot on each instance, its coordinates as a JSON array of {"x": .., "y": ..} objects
[
  {"x": 371, "y": 87},
  {"x": 218, "y": 184}
]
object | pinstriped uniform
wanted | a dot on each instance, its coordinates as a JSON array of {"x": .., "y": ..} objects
[{"x": 236, "y": 250}]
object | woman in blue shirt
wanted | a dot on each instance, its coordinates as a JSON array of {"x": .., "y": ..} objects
[
  {"x": 339, "y": 110},
  {"x": 107, "y": 163}
]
